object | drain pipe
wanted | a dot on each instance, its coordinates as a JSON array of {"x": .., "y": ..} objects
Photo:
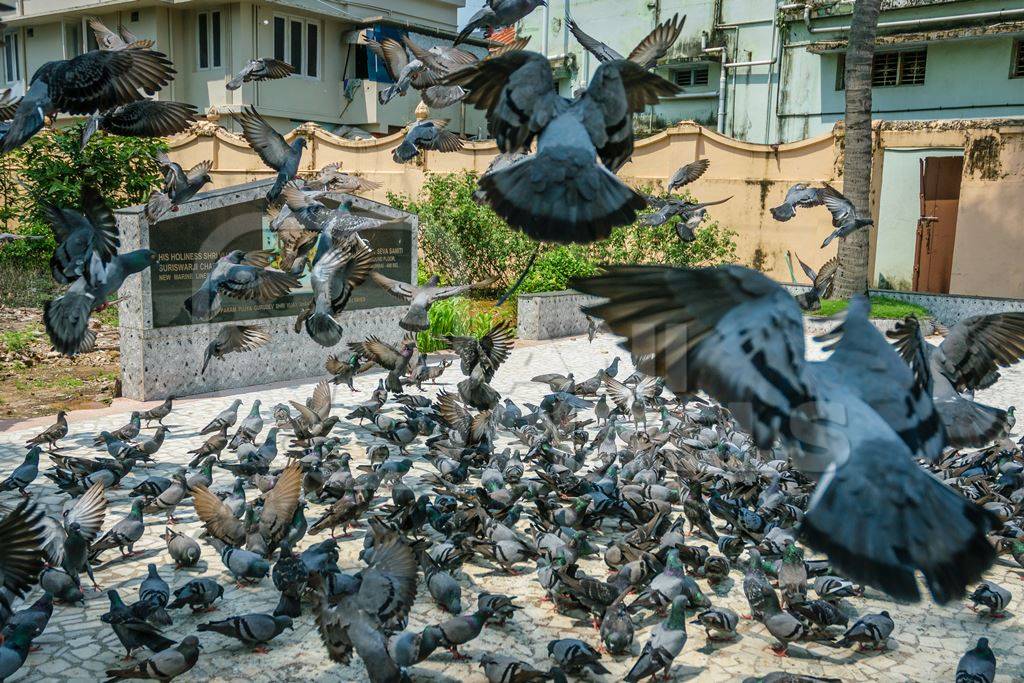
[
  {"x": 993, "y": 14},
  {"x": 720, "y": 51}
]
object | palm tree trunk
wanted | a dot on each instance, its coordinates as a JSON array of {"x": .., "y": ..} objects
[{"x": 852, "y": 276}]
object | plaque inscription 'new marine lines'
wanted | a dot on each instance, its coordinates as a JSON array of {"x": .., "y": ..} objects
[{"x": 189, "y": 246}]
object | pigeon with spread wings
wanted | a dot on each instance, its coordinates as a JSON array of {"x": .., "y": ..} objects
[
  {"x": 687, "y": 173},
  {"x": 421, "y": 297},
  {"x": 857, "y": 420},
  {"x": 822, "y": 284},
  {"x": 91, "y": 82},
  {"x": 429, "y": 135},
  {"x": 272, "y": 149},
  {"x": 142, "y": 119},
  {"x": 561, "y": 193},
  {"x": 648, "y": 51},
  {"x": 489, "y": 351},
  {"x": 123, "y": 39},
  {"x": 261, "y": 69},
  {"x": 691, "y": 215},
  {"x": 232, "y": 339},
  {"x": 395, "y": 360},
  {"x": 242, "y": 275},
  {"x": 332, "y": 179},
  {"x": 967, "y": 359},
  {"x": 845, "y": 218},
  {"x": 335, "y": 274}
]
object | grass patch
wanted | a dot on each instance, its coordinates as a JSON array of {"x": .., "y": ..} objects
[
  {"x": 881, "y": 307},
  {"x": 18, "y": 341}
]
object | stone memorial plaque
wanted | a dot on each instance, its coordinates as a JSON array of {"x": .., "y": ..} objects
[{"x": 188, "y": 247}]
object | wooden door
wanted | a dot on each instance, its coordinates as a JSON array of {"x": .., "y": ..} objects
[{"x": 936, "y": 228}]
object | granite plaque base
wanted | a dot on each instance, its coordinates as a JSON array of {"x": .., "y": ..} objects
[{"x": 162, "y": 348}]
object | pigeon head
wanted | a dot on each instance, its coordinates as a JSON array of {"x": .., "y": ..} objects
[
  {"x": 284, "y": 621},
  {"x": 139, "y": 260}
]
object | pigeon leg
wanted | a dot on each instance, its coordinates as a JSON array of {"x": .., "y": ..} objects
[
  {"x": 454, "y": 649},
  {"x": 261, "y": 649},
  {"x": 780, "y": 651}
]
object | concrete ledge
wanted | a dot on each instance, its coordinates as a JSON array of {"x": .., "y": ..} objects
[{"x": 550, "y": 315}]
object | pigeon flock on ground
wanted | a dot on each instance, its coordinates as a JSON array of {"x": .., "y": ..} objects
[{"x": 727, "y": 452}]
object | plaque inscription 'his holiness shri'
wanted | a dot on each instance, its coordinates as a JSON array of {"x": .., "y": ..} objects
[{"x": 188, "y": 247}]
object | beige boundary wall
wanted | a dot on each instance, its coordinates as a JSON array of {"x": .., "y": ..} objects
[{"x": 988, "y": 252}]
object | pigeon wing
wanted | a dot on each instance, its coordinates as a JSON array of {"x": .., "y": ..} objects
[
  {"x": 217, "y": 517},
  {"x": 688, "y": 173},
  {"x": 976, "y": 347},
  {"x": 97, "y": 80},
  {"x": 657, "y": 43},
  {"x": 265, "y": 141},
  {"x": 603, "y": 52}
]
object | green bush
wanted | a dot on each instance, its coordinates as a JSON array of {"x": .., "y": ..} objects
[
  {"x": 461, "y": 241},
  {"x": 54, "y": 168},
  {"x": 881, "y": 307},
  {"x": 456, "y": 317}
]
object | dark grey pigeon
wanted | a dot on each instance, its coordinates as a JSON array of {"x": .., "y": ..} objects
[
  {"x": 978, "y": 665},
  {"x": 691, "y": 215},
  {"x": 24, "y": 474},
  {"x": 574, "y": 655},
  {"x": 800, "y": 195},
  {"x": 844, "y": 215},
  {"x": 124, "y": 534},
  {"x": 245, "y": 566},
  {"x": 197, "y": 594},
  {"x": 647, "y": 52},
  {"x": 666, "y": 642},
  {"x": 91, "y": 82},
  {"x": 164, "y": 665},
  {"x": 14, "y": 650},
  {"x": 142, "y": 119},
  {"x": 241, "y": 275},
  {"x": 63, "y": 586},
  {"x": 271, "y": 147},
  {"x": 154, "y": 589},
  {"x": 261, "y": 69},
  {"x": 688, "y": 173},
  {"x": 742, "y": 340},
  {"x": 822, "y": 284},
  {"x": 335, "y": 275},
  {"x": 66, "y": 318},
  {"x": 430, "y": 135},
  {"x": 233, "y": 339},
  {"x": 871, "y": 630},
  {"x": 498, "y": 13},
  {"x": 403, "y": 71},
  {"x": 130, "y": 623},
  {"x": 80, "y": 234},
  {"x": 561, "y": 193},
  {"x": 179, "y": 186},
  {"x": 254, "y": 629}
]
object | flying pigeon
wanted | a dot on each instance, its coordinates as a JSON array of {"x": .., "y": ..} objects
[
  {"x": 143, "y": 119},
  {"x": 822, "y": 284},
  {"x": 560, "y": 193},
  {"x": 261, "y": 69},
  {"x": 431, "y": 135},
  {"x": 421, "y": 297},
  {"x": 232, "y": 339},
  {"x": 648, "y": 51},
  {"x": 272, "y": 148},
  {"x": 498, "y": 13},
  {"x": 736, "y": 334},
  {"x": 242, "y": 275},
  {"x": 800, "y": 195},
  {"x": 844, "y": 215},
  {"x": 123, "y": 39}
]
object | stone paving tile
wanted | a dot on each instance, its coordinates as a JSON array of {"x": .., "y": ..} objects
[{"x": 926, "y": 644}]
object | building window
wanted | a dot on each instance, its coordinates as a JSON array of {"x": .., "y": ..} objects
[
  {"x": 904, "y": 67},
  {"x": 1017, "y": 68},
  {"x": 208, "y": 40},
  {"x": 690, "y": 76},
  {"x": 72, "y": 39},
  {"x": 297, "y": 41},
  {"x": 12, "y": 58}
]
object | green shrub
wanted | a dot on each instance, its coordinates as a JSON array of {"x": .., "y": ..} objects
[
  {"x": 456, "y": 317},
  {"x": 881, "y": 307},
  {"x": 461, "y": 241},
  {"x": 54, "y": 168}
]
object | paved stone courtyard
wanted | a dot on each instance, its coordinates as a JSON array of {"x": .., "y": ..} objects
[{"x": 927, "y": 642}]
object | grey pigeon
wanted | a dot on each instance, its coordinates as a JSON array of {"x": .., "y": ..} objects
[
  {"x": 153, "y": 588},
  {"x": 122, "y": 39},
  {"x": 142, "y": 119},
  {"x": 967, "y": 360},
  {"x": 648, "y": 51},
  {"x": 242, "y": 275},
  {"x": 159, "y": 412},
  {"x": 687, "y": 173},
  {"x": 182, "y": 548},
  {"x": 91, "y": 82},
  {"x": 63, "y": 586},
  {"x": 430, "y": 135},
  {"x": 993, "y": 596},
  {"x": 421, "y": 297},
  {"x": 250, "y": 428},
  {"x": 665, "y": 643},
  {"x": 243, "y": 565},
  {"x": 561, "y": 193},
  {"x": 225, "y": 418},
  {"x": 254, "y": 629},
  {"x": 498, "y": 13},
  {"x": 261, "y": 69},
  {"x": 169, "y": 498},
  {"x": 80, "y": 235},
  {"x": 500, "y": 668},
  {"x": 822, "y": 283},
  {"x": 335, "y": 275},
  {"x": 14, "y": 650},
  {"x": 458, "y": 630},
  {"x": 24, "y": 474},
  {"x": 871, "y": 630},
  {"x": 36, "y": 616},
  {"x": 785, "y": 627},
  {"x": 978, "y": 665},
  {"x": 234, "y": 339},
  {"x": 162, "y": 666},
  {"x": 861, "y": 520},
  {"x": 66, "y": 317},
  {"x": 124, "y": 534},
  {"x": 403, "y": 71},
  {"x": 719, "y": 622},
  {"x": 197, "y": 594},
  {"x": 52, "y": 434},
  {"x": 574, "y": 655},
  {"x": 800, "y": 195},
  {"x": 844, "y": 215},
  {"x": 271, "y": 147},
  {"x": 131, "y": 625},
  {"x": 180, "y": 185},
  {"x": 691, "y": 215},
  {"x": 442, "y": 586},
  {"x": 69, "y": 540}
]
